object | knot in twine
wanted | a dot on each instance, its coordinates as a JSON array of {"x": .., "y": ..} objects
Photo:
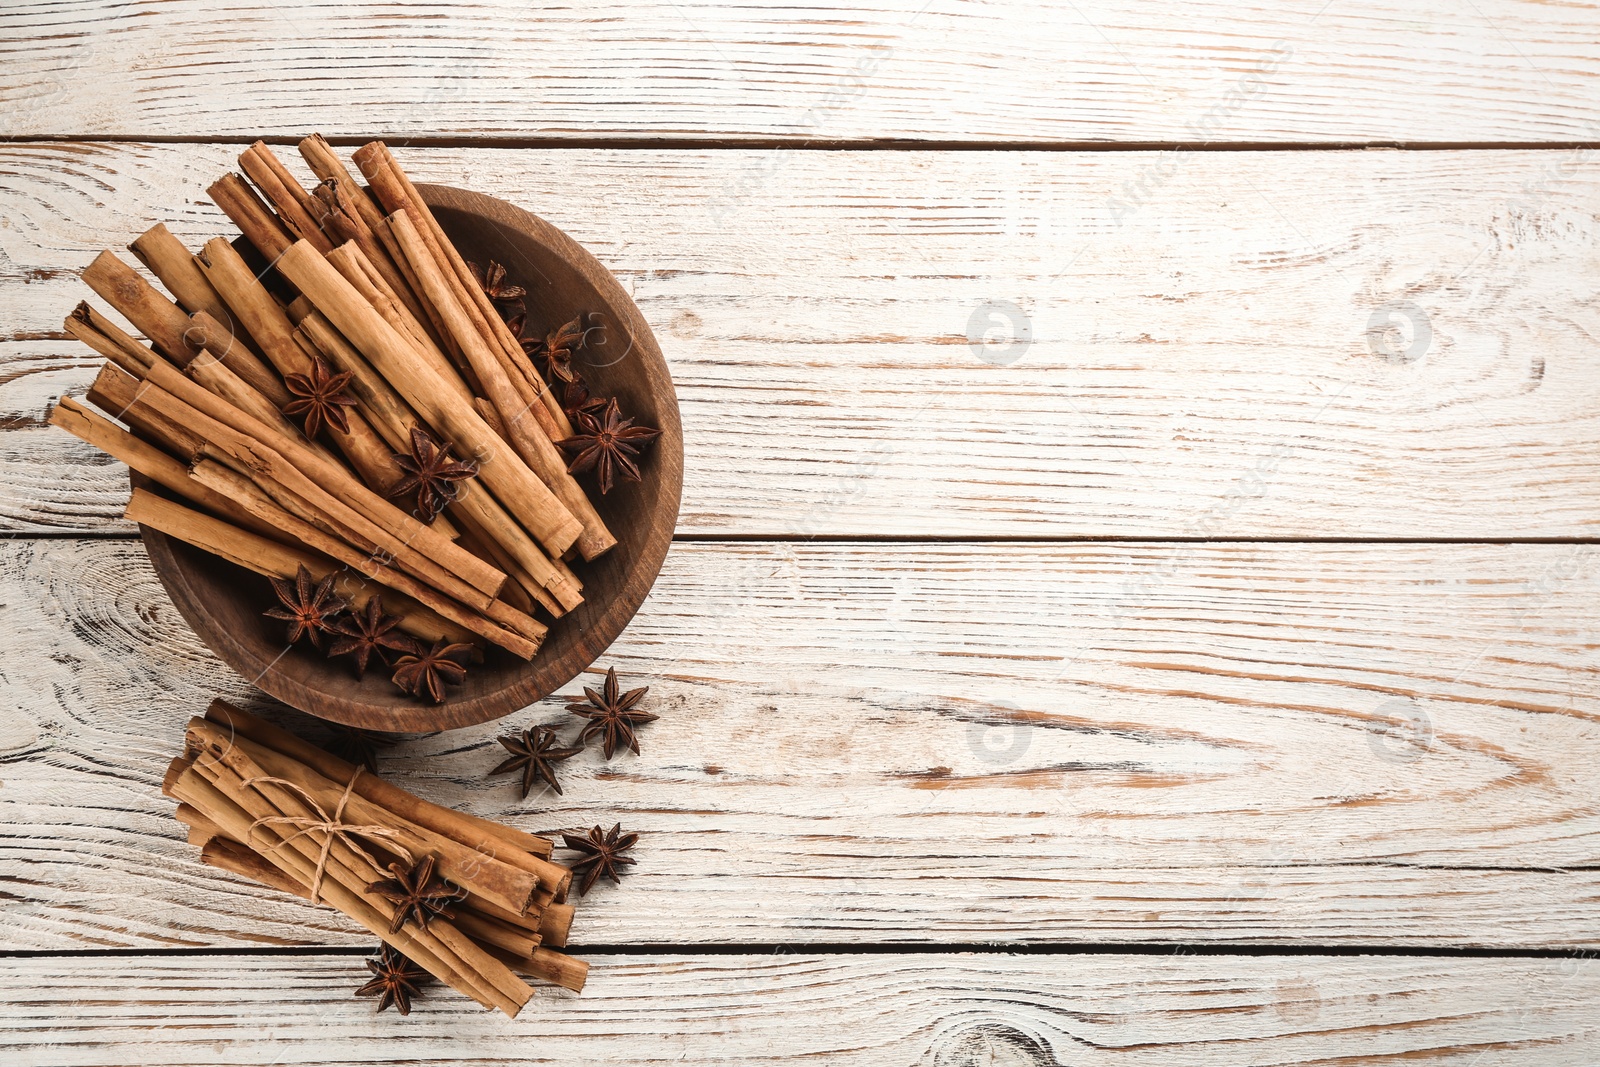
[{"x": 331, "y": 826}]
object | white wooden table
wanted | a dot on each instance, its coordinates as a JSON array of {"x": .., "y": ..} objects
[{"x": 1135, "y": 595}]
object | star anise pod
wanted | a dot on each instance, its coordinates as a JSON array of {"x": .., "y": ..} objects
[
  {"x": 555, "y": 351},
  {"x": 320, "y": 397},
  {"x": 612, "y": 716},
  {"x": 432, "y": 474},
  {"x": 308, "y": 608},
  {"x": 608, "y": 442},
  {"x": 417, "y": 893},
  {"x": 493, "y": 283},
  {"x": 534, "y": 754},
  {"x": 361, "y": 633},
  {"x": 575, "y": 397},
  {"x": 424, "y": 672},
  {"x": 395, "y": 980},
  {"x": 602, "y": 855}
]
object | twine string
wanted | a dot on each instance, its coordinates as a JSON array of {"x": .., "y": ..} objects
[{"x": 332, "y": 827}]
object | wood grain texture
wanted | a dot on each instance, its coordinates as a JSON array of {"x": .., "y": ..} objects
[
  {"x": 1001, "y": 71},
  {"x": 1198, "y": 367},
  {"x": 1374, "y": 744},
  {"x": 929, "y": 1009}
]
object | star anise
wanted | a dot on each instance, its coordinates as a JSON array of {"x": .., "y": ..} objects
[
  {"x": 362, "y": 633},
  {"x": 608, "y": 442},
  {"x": 575, "y": 397},
  {"x": 602, "y": 855},
  {"x": 534, "y": 753},
  {"x": 555, "y": 351},
  {"x": 417, "y": 893},
  {"x": 320, "y": 397},
  {"x": 395, "y": 980},
  {"x": 611, "y": 716},
  {"x": 432, "y": 474},
  {"x": 493, "y": 283},
  {"x": 424, "y": 672},
  {"x": 309, "y": 609}
]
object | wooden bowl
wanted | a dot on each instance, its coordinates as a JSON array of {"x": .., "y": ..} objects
[{"x": 224, "y": 603}]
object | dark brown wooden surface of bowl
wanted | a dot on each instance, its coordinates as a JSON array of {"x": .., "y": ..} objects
[{"x": 224, "y": 603}]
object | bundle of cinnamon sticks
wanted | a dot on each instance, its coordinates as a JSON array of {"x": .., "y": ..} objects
[
  {"x": 263, "y": 804},
  {"x": 348, "y": 302}
]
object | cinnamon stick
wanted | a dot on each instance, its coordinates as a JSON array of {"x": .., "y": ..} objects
[
  {"x": 151, "y": 313},
  {"x": 389, "y": 179},
  {"x": 268, "y": 508},
  {"x": 262, "y": 446},
  {"x": 263, "y": 555},
  {"x": 220, "y": 340},
  {"x": 517, "y": 488},
  {"x": 100, "y": 334},
  {"x": 255, "y": 220},
  {"x": 165, "y": 256},
  {"x": 102, "y": 433},
  {"x": 485, "y": 835},
  {"x": 292, "y": 203},
  {"x": 265, "y": 320},
  {"x": 117, "y": 393}
]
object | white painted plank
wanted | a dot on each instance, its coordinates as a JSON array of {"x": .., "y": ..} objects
[
  {"x": 1370, "y": 744},
  {"x": 1200, "y": 366},
  {"x": 1003, "y": 70},
  {"x": 930, "y": 1009}
]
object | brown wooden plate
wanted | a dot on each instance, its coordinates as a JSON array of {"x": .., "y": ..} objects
[{"x": 224, "y": 603}]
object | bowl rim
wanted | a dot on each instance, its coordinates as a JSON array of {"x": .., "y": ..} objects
[{"x": 399, "y": 714}]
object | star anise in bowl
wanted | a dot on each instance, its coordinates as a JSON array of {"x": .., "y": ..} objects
[{"x": 607, "y": 444}]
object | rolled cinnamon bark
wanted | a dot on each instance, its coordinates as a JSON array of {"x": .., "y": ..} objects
[
  {"x": 117, "y": 393},
  {"x": 357, "y": 269},
  {"x": 518, "y": 488},
  {"x": 390, "y": 183},
  {"x": 173, "y": 265},
  {"x": 100, "y": 334},
  {"x": 255, "y": 220},
  {"x": 485, "y": 835},
  {"x": 270, "y": 509},
  {"x": 266, "y": 321},
  {"x": 102, "y": 433},
  {"x": 223, "y": 343},
  {"x": 262, "y": 554},
  {"x": 263, "y": 447},
  {"x": 477, "y": 872},
  {"x": 295, "y": 206},
  {"x": 239, "y": 809},
  {"x": 151, "y": 313}
]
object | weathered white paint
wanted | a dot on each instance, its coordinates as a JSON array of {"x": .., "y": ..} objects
[
  {"x": 1200, "y": 367},
  {"x": 1369, "y": 744},
  {"x": 776, "y": 1008},
  {"x": 998, "y": 71}
]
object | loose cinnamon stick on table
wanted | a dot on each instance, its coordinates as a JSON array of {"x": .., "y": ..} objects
[
  {"x": 173, "y": 265},
  {"x": 255, "y": 220},
  {"x": 483, "y": 834},
  {"x": 517, "y": 487},
  {"x": 266, "y": 556},
  {"x": 151, "y": 313}
]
